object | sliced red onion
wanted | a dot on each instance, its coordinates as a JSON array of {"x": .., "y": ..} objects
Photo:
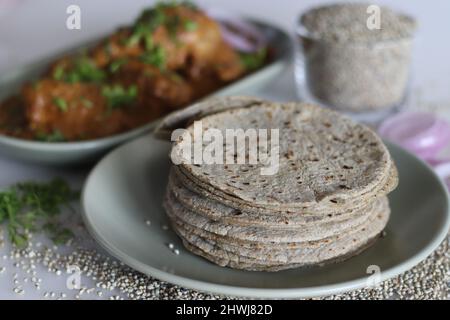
[
  {"x": 237, "y": 32},
  {"x": 421, "y": 133}
]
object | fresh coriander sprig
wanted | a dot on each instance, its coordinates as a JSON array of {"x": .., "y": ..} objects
[
  {"x": 61, "y": 104},
  {"x": 190, "y": 25},
  {"x": 155, "y": 57},
  {"x": 254, "y": 60},
  {"x": 32, "y": 207},
  {"x": 117, "y": 64},
  {"x": 55, "y": 136},
  {"x": 83, "y": 70},
  {"x": 117, "y": 96}
]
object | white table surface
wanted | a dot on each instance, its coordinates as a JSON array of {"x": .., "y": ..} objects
[{"x": 30, "y": 30}]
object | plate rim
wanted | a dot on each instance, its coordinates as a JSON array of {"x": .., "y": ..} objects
[{"x": 229, "y": 290}]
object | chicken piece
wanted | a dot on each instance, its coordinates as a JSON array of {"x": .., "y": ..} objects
[
  {"x": 187, "y": 39},
  {"x": 76, "y": 111},
  {"x": 158, "y": 90},
  {"x": 120, "y": 44},
  {"x": 86, "y": 111},
  {"x": 97, "y": 59},
  {"x": 190, "y": 39}
]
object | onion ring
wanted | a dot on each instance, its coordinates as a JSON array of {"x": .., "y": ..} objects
[
  {"x": 421, "y": 133},
  {"x": 237, "y": 32}
]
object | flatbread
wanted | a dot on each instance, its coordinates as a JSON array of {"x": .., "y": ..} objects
[
  {"x": 276, "y": 234},
  {"x": 213, "y": 209},
  {"x": 184, "y": 117},
  {"x": 271, "y": 260},
  {"x": 325, "y": 157},
  {"x": 252, "y": 238},
  {"x": 254, "y": 266},
  {"x": 326, "y": 203},
  {"x": 315, "y": 212}
]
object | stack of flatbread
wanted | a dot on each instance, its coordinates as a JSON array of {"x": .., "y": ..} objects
[{"x": 326, "y": 201}]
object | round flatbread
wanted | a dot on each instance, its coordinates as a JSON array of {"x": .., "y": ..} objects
[
  {"x": 258, "y": 236},
  {"x": 324, "y": 157},
  {"x": 274, "y": 233},
  {"x": 324, "y": 201},
  {"x": 269, "y": 259},
  {"x": 315, "y": 212},
  {"x": 184, "y": 117},
  {"x": 232, "y": 213}
]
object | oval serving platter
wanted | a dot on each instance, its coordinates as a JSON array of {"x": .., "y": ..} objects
[
  {"x": 66, "y": 153},
  {"x": 126, "y": 189}
]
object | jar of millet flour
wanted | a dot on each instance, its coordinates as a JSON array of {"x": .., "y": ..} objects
[{"x": 354, "y": 57}]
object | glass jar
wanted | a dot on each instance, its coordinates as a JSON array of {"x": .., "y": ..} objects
[{"x": 366, "y": 79}]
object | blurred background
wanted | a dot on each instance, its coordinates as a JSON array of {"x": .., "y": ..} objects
[{"x": 30, "y": 30}]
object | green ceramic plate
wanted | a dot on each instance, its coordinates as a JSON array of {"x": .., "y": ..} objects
[
  {"x": 79, "y": 152},
  {"x": 126, "y": 189}
]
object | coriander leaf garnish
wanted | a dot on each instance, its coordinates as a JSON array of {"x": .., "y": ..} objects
[
  {"x": 156, "y": 57},
  {"x": 58, "y": 73},
  {"x": 146, "y": 24},
  {"x": 172, "y": 24},
  {"x": 46, "y": 198},
  {"x": 118, "y": 96},
  {"x": 252, "y": 61},
  {"x": 83, "y": 70},
  {"x": 86, "y": 102},
  {"x": 56, "y": 136},
  {"x": 32, "y": 207},
  {"x": 117, "y": 64},
  {"x": 140, "y": 31},
  {"x": 190, "y": 25},
  {"x": 61, "y": 104},
  {"x": 152, "y": 18},
  {"x": 58, "y": 234},
  {"x": 88, "y": 71}
]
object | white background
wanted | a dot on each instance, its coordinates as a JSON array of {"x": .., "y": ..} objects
[{"x": 30, "y": 30}]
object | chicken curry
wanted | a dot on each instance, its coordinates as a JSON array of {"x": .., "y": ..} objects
[{"x": 172, "y": 55}]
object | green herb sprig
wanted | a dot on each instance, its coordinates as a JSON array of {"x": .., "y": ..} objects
[
  {"x": 155, "y": 57},
  {"x": 55, "y": 136},
  {"x": 32, "y": 206},
  {"x": 61, "y": 104},
  {"x": 117, "y": 64},
  {"x": 117, "y": 96},
  {"x": 86, "y": 102},
  {"x": 190, "y": 25},
  {"x": 83, "y": 70},
  {"x": 255, "y": 60},
  {"x": 145, "y": 25}
]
